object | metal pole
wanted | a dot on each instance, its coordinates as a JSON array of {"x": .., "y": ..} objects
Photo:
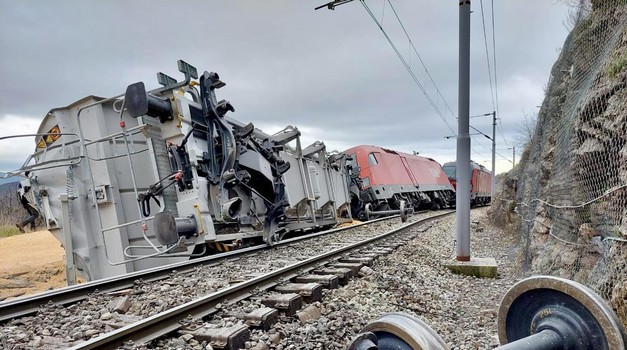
[
  {"x": 514, "y": 155},
  {"x": 70, "y": 270},
  {"x": 493, "y": 183},
  {"x": 463, "y": 136}
]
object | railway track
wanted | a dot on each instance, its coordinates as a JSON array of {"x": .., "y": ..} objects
[
  {"x": 172, "y": 287},
  {"x": 329, "y": 269},
  {"x": 64, "y": 296}
]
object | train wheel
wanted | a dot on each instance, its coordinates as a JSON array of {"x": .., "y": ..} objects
[
  {"x": 403, "y": 211},
  {"x": 435, "y": 205},
  {"x": 578, "y": 315},
  {"x": 399, "y": 332}
]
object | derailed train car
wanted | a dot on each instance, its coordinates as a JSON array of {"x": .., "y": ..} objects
[
  {"x": 390, "y": 179},
  {"x": 480, "y": 182},
  {"x": 165, "y": 174}
]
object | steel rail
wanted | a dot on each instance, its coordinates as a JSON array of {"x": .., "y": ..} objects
[
  {"x": 168, "y": 321},
  {"x": 67, "y": 295}
]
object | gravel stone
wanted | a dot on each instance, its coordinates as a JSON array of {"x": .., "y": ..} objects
[
  {"x": 59, "y": 325},
  {"x": 412, "y": 280},
  {"x": 186, "y": 337}
]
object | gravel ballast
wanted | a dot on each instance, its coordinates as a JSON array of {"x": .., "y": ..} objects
[
  {"x": 412, "y": 280},
  {"x": 59, "y": 327}
]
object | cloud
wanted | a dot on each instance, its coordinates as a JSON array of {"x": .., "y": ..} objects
[
  {"x": 331, "y": 73},
  {"x": 15, "y": 150}
]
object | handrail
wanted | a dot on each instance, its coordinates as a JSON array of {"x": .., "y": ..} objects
[
  {"x": 123, "y": 133},
  {"x": 41, "y": 165}
]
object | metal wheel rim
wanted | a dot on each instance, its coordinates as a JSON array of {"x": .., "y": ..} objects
[
  {"x": 611, "y": 326},
  {"x": 417, "y": 334}
]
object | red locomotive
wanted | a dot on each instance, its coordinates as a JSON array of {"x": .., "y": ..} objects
[
  {"x": 480, "y": 182},
  {"x": 389, "y": 177}
]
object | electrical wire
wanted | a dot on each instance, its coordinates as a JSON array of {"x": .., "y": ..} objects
[
  {"x": 428, "y": 74},
  {"x": 421, "y": 61},
  {"x": 411, "y": 43},
  {"x": 487, "y": 57},
  {"x": 496, "y": 83},
  {"x": 490, "y": 150},
  {"x": 407, "y": 67}
]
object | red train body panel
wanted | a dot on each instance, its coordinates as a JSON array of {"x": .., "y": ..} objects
[
  {"x": 480, "y": 182},
  {"x": 389, "y": 176}
]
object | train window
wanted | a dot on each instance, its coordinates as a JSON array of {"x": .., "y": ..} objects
[
  {"x": 450, "y": 171},
  {"x": 372, "y": 160}
]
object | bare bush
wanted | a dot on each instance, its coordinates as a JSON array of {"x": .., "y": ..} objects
[
  {"x": 11, "y": 210},
  {"x": 526, "y": 130},
  {"x": 579, "y": 9}
]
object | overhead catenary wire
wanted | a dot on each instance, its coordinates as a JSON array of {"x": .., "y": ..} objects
[
  {"x": 487, "y": 56},
  {"x": 407, "y": 67},
  {"x": 428, "y": 74},
  {"x": 490, "y": 150},
  {"x": 496, "y": 80},
  {"x": 411, "y": 43}
]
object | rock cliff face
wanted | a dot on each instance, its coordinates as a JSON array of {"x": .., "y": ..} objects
[{"x": 567, "y": 198}]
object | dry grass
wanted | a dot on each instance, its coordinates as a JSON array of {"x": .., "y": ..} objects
[{"x": 8, "y": 231}]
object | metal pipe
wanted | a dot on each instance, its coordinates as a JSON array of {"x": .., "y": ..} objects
[
  {"x": 547, "y": 339},
  {"x": 463, "y": 138}
]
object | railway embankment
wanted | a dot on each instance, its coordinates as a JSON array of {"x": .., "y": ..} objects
[
  {"x": 410, "y": 279},
  {"x": 566, "y": 200}
]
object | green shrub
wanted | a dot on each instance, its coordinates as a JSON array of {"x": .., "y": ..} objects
[
  {"x": 617, "y": 65},
  {"x": 8, "y": 231}
]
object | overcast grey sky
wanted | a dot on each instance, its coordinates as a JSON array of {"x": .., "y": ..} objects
[{"x": 331, "y": 73}]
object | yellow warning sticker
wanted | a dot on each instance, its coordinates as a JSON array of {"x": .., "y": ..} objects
[{"x": 53, "y": 134}]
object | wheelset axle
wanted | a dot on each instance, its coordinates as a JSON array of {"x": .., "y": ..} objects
[{"x": 539, "y": 313}]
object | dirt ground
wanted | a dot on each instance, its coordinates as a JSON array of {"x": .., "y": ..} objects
[{"x": 30, "y": 263}]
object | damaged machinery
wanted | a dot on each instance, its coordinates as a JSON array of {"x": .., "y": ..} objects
[{"x": 167, "y": 174}]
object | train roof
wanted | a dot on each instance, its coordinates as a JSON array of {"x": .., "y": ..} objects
[
  {"x": 371, "y": 148},
  {"x": 473, "y": 165}
]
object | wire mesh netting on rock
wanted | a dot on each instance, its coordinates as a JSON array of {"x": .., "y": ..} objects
[{"x": 570, "y": 188}]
